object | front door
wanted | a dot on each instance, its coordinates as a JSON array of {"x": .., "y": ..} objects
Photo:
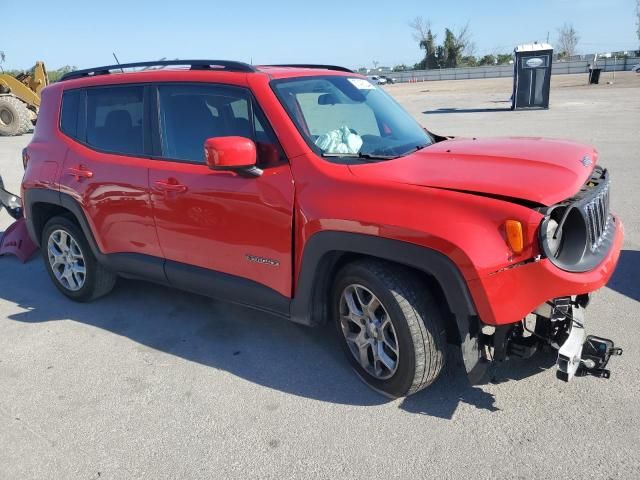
[{"x": 220, "y": 222}]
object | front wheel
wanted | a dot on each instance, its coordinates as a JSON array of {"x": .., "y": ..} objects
[
  {"x": 71, "y": 263},
  {"x": 390, "y": 327}
]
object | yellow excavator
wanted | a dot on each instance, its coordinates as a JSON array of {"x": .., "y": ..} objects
[{"x": 20, "y": 99}]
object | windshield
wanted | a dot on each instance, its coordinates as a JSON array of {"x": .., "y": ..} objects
[{"x": 350, "y": 117}]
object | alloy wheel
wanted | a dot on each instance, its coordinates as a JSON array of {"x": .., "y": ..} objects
[
  {"x": 368, "y": 331},
  {"x": 66, "y": 260}
]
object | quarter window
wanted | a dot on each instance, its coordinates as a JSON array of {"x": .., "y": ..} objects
[
  {"x": 71, "y": 101},
  {"x": 114, "y": 119}
]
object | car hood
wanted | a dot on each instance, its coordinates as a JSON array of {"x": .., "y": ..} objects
[{"x": 544, "y": 171}]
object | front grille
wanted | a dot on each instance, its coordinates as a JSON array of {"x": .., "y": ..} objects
[
  {"x": 597, "y": 216},
  {"x": 585, "y": 224}
]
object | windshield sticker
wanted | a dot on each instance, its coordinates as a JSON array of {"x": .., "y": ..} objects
[{"x": 361, "y": 84}]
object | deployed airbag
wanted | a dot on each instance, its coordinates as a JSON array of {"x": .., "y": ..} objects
[{"x": 340, "y": 140}]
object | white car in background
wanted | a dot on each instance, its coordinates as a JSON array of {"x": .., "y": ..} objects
[
  {"x": 636, "y": 68},
  {"x": 377, "y": 80}
]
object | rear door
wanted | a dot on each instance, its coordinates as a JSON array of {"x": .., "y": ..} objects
[
  {"x": 220, "y": 221},
  {"x": 107, "y": 165}
]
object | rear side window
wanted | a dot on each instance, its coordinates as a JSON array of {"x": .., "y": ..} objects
[
  {"x": 114, "y": 119},
  {"x": 71, "y": 100}
]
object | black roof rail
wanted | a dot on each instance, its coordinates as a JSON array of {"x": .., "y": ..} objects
[
  {"x": 227, "y": 65},
  {"x": 312, "y": 65}
]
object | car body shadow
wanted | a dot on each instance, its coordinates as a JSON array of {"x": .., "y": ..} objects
[
  {"x": 465, "y": 110},
  {"x": 258, "y": 347},
  {"x": 626, "y": 278}
]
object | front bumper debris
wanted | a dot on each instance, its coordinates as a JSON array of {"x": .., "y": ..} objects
[
  {"x": 15, "y": 240},
  {"x": 581, "y": 355},
  {"x": 570, "y": 353},
  {"x": 10, "y": 201},
  {"x": 559, "y": 325},
  {"x": 596, "y": 353}
]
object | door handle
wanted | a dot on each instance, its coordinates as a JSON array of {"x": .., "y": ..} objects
[
  {"x": 170, "y": 187},
  {"x": 79, "y": 172}
]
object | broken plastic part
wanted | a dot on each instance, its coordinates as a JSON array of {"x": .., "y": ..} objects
[
  {"x": 10, "y": 201},
  {"x": 570, "y": 353},
  {"x": 16, "y": 241},
  {"x": 596, "y": 353}
]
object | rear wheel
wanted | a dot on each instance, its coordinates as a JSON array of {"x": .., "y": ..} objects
[
  {"x": 14, "y": 116},
  {"x": 390, "y": 327},
  {"x": 71, "y": 263}
]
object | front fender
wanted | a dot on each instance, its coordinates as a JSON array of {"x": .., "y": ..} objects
[{"x": 323, "y": 250}]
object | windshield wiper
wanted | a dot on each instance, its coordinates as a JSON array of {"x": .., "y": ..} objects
[
  {"x": 413, "y": 150},
  {"x": 366, "y": 156}
]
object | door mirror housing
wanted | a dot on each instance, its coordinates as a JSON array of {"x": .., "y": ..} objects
[{"x": 232, "y": 153}]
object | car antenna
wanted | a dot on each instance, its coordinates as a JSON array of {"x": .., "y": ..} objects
[{"x": 117, "y": 61}]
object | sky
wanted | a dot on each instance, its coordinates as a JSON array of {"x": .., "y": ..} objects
[{"x": 353, "y": 33}]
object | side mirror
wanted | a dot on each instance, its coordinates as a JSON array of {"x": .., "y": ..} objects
[{"x": 232, "y": 153}]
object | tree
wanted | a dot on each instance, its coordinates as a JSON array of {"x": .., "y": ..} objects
[
  {"x": 504, "y": 58},
  {"x": 463, "y": 40},
  {"x": 55, "y": 75},
  {"x": 426, "y": 41},
  {"x": 2, "y": 56},
  {"x": 469, "y": 61},
  {"x": 452, "y": 49},
  {"x": 456, "y": 46},
  {"x": 421, "y": 27},
  {"x": 400, "y": 68},
  {"x": 567, "y": 40},
  {"x": 487, "y": 60},
  {"x": 431, "y": 55},
  {"x": 440, "y": 56}
]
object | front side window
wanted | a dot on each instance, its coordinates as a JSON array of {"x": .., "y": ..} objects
[
  {"x": 190, "y": 114},
  {"x": 344, "y": 116},
  {"x": 114, "y": 119}
]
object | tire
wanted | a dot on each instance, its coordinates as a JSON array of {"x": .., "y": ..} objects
[
  {"x": 417, "y": 331},
  {"x": 14, "y": 116},
  {"x": 96, "y": 280},
  {"x": 30, "y": 123}
]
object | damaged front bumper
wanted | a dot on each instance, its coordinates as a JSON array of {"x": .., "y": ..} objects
[{"x": 559, "y": 324}]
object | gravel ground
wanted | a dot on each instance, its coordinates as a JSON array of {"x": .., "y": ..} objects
[{"x": 154, "y": 383}]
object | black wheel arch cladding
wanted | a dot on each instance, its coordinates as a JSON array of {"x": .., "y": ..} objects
[{"x": 322, "y": 254}]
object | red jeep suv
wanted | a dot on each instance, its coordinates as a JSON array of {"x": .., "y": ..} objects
[{"x": 307, "y": 192}]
